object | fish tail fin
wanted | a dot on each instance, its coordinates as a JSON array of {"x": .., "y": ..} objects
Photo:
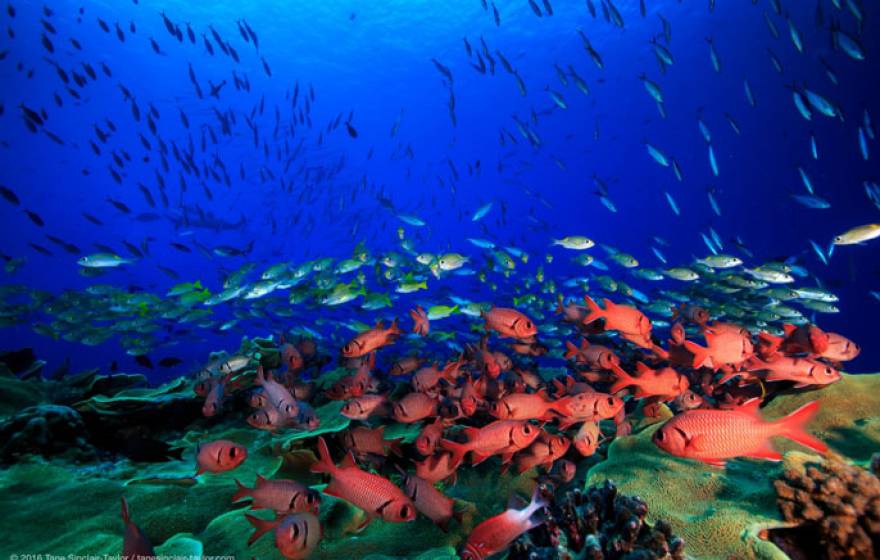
[
  {"x": 261, "y": 527},
  {"x": 457, "y": 449},
  {"x": 700, "y": 353},
  {"x": 394, "y": 329},
  {"x": 560, "y": 309},
  {"x": 595, "y": 312},
  {"x": 126, "y": 518},
  {"x": 623, "y": 379},
  {"x": 325, "y": 461},
  {"x": 241, "y": 493},
  {"x": 570, "y": 350},
  {"x": 794, "y": 427},
  {"x": 535, "y": 510}
]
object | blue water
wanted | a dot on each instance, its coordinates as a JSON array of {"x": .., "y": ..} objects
[{"x": 374, "y": 60}]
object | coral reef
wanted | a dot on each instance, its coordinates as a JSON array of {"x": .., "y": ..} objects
[
  {"x": 833, "y": 509},
  {"x": 47, "y": 430},
  {"x": 598, "y": 523}
]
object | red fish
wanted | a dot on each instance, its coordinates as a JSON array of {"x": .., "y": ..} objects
[
  {"x": 135, "y": 543},
  {"x": 693, "y": 313},
  {"x": 592, "y": 355},
  {"x": 362, "y": 441},
  {"x": 219, "y": 456},
  {"x": 278, "y": 395},
  {"x": 527, "y": 406},
  {"x": 280, "y": 495},
  {"x": 296, "y": 536},
  {"x": 570, "y": 312},
  {"x": 405, "y": 365},
  {"x": 544, "y": 451},
  {"x": 421, "y": 324},
  {"x": 414, "y": 407},
  {"x": 727, "y": 345},
  {"x": 374, "y": 494},
  {"x": 364, "y": 407},
  {"x": 268, "y": 418},
  {"x": 840, "y": 348},
  {"x": 509, "y": 323},
  {"x": 803, "y": 371},
  {"x": 591, "y": 406},
  {"x": 371, "y": 340},
  {"x": 499, "y": 437},
  {"x": 290, "y": 356},
  {"x": 665, "y": 383},
  {"x": 713, "y": 436},
  {"x": 806, "y": 339},
  {"x": 427, "y": 441},
  {"x": 429, "y": 501},
  {"x": 495, "y": 534},
  {"x": 587, "y": 438},
  {"x": 631, "y": 323},
  {"x": 437, "y": 467}
]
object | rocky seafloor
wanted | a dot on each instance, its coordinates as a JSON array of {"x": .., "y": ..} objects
[{"x": 72, "y": 445}]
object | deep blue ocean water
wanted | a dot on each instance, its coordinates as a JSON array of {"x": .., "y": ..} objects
[{"x": 374, "y": 61}]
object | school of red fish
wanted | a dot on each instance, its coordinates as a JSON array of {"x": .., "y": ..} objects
[{"x": 482, "y": 405}]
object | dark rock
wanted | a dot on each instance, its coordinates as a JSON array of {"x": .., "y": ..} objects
[{"x": 46, "y": 430}]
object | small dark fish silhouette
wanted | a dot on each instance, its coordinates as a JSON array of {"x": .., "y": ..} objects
[
  {"x": 144, "y": 361},
  {"x": 170, "y": 362},
  {"x": 35, "y": 218}
]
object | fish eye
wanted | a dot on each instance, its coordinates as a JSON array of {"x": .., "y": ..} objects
[
  {"x": 610, "y": 401},
  {"x": 405, "y": 511},
  {"x": 828, "y": 371},
  {"x": 527, "y": 429},
  {"x": 232, "y": 451},
  {"x": 295, "y": 531},
  {"x": 659, "y": 435}
]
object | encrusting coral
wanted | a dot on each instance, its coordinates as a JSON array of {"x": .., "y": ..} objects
[{"x": 836, "y": 509}]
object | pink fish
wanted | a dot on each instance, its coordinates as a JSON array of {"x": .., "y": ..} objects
[
  {"x": 365, "y": 406},
  {"x": 804, "y": 372},
  {"x": 631, "y": 323},
  {"x": 713, "y": 436},
  {"x": 509, "y": 323},
  {"x": 429, "y": 501},
  {"x": 437, "y": 467},
  {"x": 414, "y": 407},
  {"x": 495, "y": 534},
  {"x": 544, "y": 451},
  {"x": 374, "y": 494},
  {"x": 427, "y": 441},
  {"x": 527, "y": 406},
  {"x": 664, "y": 383},
  {"x": 219, "y": 456},
  {"x": 371, "y": 340},
  {"x": 503, "y": 437},
  {"x": 296, "y": 536},
  {"x": 279, "y": 495},
  {"x": 421, "y": 324}
]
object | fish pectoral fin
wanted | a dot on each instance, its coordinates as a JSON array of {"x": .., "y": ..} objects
[
  {"x": 717, "y": 463},
  {"x": 766, "y": 452},
  {"x": 333, "y": 490},
  {"x": 363, "y": 524},
  {"x": 696, "y": 443},
  {"x": 477, "y": 458}
]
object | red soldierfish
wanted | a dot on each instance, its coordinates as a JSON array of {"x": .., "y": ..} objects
[
  {"x": 509, "y": 323},
  {"x": 593, "y": 355},
  {"x": 414, "y": 407},
  {"x": 713, "y": 436},
  {"x": 364, "y": 407},
  {"x": 570, "y": 312},
  {"x": 278, "y": 395},
  {"x": 363, "y": 440},
  {"x": 214, "y": 398},
  {"x": 280, "y": 495},
  {"x": 495, "y": 534},
  {"x": 437, "y": 467},
  {"x": 219, "y": 456},
  {"x": 631, "y": 323},
  {"x": 727, "y": 344},
  {"x": 693, "y": 313},
  {"x": 135, "y": 543},
  {"x": 587, "y": 438},
  {"x": 591, "y": 406},
  {"x": 291, "y": 357},
  {"x": 374, "y": 494},
  {"x": 546, "y": 449},
  {"x": 840, "y": 348},
  {"x": 498, "y": 437},
  {"x": 429, "y": 501},
  {"x": 421, "y": 324},
  {"x": 371, "y": 340},
  {"x": 803, "y": 371},
  {"x": 296, "y": 536},
  {"x": 527, "y": 406},
  {"x": 427, "y": 441},
  {"x": 665, "y": 383}
]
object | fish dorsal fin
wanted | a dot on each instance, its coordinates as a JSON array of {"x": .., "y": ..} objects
[
  {"x": 751, "y": 407},
  {"x": 348, "y": 461},
  {"x": 542, "y": 392},
  {"x": 380, "y": 324},
  {"x": 609, "y": 305},
  {"x": 788, "y": 329}
]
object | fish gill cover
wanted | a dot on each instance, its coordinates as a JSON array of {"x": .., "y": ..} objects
[{"x": 675, "y": 202}]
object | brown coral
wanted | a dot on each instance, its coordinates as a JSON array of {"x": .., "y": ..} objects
[{"x": 836, "y": 509}]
